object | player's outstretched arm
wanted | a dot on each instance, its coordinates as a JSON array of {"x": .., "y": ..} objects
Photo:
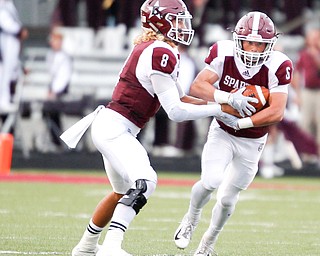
[
  {"x": 202, "y": 87},
  {"x": 178, "y": 111}
]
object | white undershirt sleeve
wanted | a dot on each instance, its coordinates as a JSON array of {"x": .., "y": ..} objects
[{"x": 177, "y": 110}]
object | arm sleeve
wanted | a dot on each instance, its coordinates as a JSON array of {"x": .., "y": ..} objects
[
  {"x": 280, "y": 88},
  {"x": 177, "y": 110}
]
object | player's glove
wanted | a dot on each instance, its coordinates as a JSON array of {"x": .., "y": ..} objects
[
  {"x": 242, "y": 103},
  {"x": 229, "y": 120},
  {"x": 237, "y": 101}
]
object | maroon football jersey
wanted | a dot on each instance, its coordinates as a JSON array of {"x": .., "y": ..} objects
[
  {"x": 234, "y": 75},
  {"x": 134, "y": 96}
]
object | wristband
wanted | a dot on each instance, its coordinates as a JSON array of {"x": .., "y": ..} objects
[
  {"x": 221, "y": 96},
  {"x": 244, "y": 123}
]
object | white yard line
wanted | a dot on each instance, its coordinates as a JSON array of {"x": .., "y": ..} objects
[{"x": 31, "y": 253}]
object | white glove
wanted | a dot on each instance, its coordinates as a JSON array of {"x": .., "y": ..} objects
[
  {"x": 241, "y": 103},
  {"x": 233, "y": 121},
  {"x": 229, "y": 120}
]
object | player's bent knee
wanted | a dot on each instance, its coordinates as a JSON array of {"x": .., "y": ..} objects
[
  {"x": 211, "y": 185},
  {"x": 135, "y": 197},
  {"x": 228, "y": 201}
]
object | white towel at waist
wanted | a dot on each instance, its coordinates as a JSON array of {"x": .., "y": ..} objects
[{"x": 73, "y": 135}]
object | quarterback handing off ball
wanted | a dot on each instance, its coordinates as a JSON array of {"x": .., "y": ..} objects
[{"x": 259, "y": 92}]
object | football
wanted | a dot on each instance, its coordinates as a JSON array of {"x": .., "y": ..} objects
[{"x": 259, "y": 92}]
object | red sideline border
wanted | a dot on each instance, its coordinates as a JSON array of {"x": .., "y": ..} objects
[{"x": 86, "y": 179}]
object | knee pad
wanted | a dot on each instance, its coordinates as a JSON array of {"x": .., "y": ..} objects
[{"x": 135, "y": 197}]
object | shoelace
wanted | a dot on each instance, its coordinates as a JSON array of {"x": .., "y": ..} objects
[{"x": 188, "y": 230}]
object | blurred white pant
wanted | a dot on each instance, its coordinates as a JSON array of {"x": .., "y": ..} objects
[{"x": 229, "y": 159}]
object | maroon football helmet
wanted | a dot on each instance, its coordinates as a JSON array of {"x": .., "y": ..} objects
[
  {"x": 257, "y": 27},
  {"x": 168, "y": 17}
]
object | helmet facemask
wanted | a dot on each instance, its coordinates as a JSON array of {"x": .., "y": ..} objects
[
  {"x": 254, "y": 27},
  {"x": 253, "y": 59},
  {"x": 170, "y": 18},
  {"x": 181, "y": 29}
]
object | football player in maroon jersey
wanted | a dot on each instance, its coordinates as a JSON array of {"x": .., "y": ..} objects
[
  {"x": 231, "y": 154},
  {"x": 148, "y": 78}
]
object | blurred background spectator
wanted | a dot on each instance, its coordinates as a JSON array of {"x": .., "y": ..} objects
[
  {"x": 66, "y": 13},
  {"x": 288, "y": 142},
  {"x": 198, "y": 10},
  {"x": 59, "y": 65},
  {"x": 98, "y": 13},
  {"x": 12, "y": 33},
  {"x": 307, "y": 83}
]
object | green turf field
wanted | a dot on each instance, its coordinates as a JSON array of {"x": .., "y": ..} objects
[{"x": 274, "y": 217}]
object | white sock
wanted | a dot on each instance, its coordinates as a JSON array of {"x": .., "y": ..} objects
[
  {"x": 123, "y": 214},
  {"x": 221, "y": 214},
  {"x": 93, "y": 228},
  {"x": 199, "y": 198},
  {"x": 210, "y": 237},
  {"x": 91, "y": 236},
  {"x": 120, "y": 221},
  {"x": 112, "y": 243}
]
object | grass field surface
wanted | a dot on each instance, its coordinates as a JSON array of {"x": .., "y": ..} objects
[{"x": 45, "y": 213}]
